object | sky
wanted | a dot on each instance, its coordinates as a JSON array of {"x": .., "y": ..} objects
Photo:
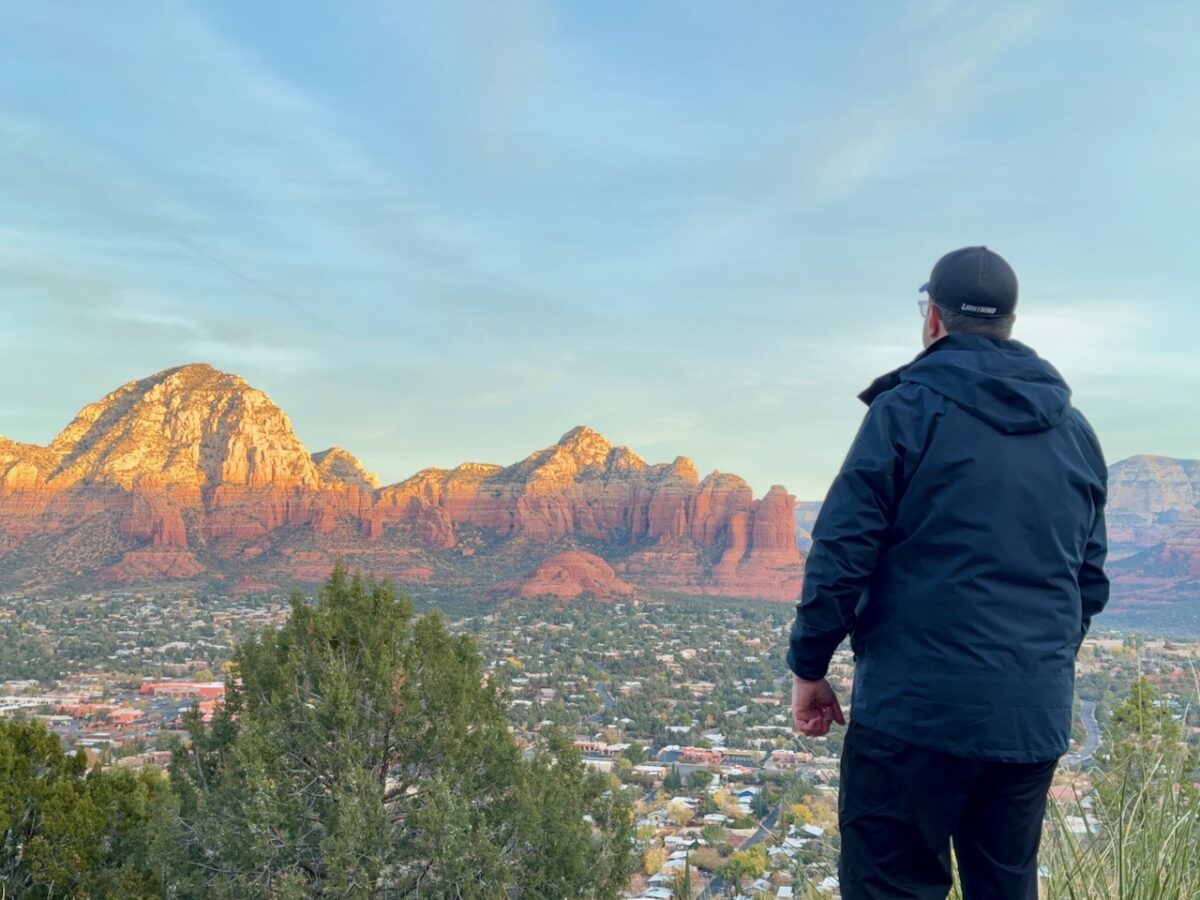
[{"x": 439, "y": 232}]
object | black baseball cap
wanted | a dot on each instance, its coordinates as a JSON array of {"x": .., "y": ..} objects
[{"x": 973, "y": 281}]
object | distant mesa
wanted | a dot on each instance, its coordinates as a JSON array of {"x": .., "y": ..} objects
[
  {"x": 193, "y": 474},
  {"x": 1153, "y": 519},
  {"x": 1153, "y": 490},
  {"x": 1154, "y": 532},
  {"x": 806, "y": 518}
]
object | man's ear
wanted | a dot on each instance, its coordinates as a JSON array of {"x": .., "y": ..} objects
[{"x": 933, "y": 321}]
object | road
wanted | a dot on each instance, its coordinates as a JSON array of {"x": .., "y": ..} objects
[
  {"x": 1087, "y": 714},
  {"x": 610, "y": 705},
  {"x": 602, "y": 690},
  {"x": 762, "y": 831}
]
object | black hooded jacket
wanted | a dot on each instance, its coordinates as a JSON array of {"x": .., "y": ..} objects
[{"x": 961, "y": 547}]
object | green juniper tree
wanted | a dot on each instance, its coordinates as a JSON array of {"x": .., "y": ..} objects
[
  {"x": 66, "y": 831},
  {"x": 361, "y": 752},
  {"x": 673, "y": 783},
  {"x": 1144, "y": 745}
]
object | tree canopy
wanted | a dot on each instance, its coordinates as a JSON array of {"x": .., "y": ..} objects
[
  {"x": 69, "y": 832},
  {"x": 361, "y": 752}
]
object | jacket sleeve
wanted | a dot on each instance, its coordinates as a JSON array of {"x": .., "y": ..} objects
[
  {"x": 850, "y": 534},
  {"x": 1093, "y": 583}
]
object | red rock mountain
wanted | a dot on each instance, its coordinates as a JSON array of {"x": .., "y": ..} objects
[
  {"x": 1148, "y": 498},
  {"x": 194, "y": 474},
  {"x": 1153, "y": 521},
  {"x": 568, "y": 575}
]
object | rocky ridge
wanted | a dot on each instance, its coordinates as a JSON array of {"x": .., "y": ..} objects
[{"x": 194, "y": 473}]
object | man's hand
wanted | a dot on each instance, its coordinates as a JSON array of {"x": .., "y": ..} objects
[{"x": 814, "y": 707}]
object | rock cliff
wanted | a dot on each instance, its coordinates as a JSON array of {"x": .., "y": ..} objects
[
  {"x": 194, "y": 473},
  {"x": 1153, "y": 522}
]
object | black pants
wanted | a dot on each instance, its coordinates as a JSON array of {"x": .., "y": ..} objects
[{"x": 900, "y": 806}]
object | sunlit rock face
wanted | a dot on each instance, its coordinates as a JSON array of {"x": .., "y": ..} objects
[
  {"x": 1150, "y": 499},
  {"x": 661, "y": 525},
  {"x": 1153, "y": 489},
  {"x": 194, "y": 473},
  {"x": 1153, "y": 518},
  {"x": 568, "y": 575}
]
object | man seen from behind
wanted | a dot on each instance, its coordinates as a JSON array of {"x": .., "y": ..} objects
[{"x": 961, "y": 548}]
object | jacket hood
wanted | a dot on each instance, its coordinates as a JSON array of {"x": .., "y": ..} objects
[{"x": 1002, "y": 382}]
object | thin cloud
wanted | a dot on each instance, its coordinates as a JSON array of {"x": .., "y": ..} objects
[
  {"x": 905, "y": 87},
  {"x": 293, "y": 180}
]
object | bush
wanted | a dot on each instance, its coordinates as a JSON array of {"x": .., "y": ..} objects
[{"x": 1145, "y": 815}]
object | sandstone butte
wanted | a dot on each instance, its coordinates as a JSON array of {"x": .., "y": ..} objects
[
  {"x": 567, "y": 575},
  {"x": 193, "y": 473}
]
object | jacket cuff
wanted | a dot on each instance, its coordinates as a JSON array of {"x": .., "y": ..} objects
[{"x": 809, "y": 656}]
